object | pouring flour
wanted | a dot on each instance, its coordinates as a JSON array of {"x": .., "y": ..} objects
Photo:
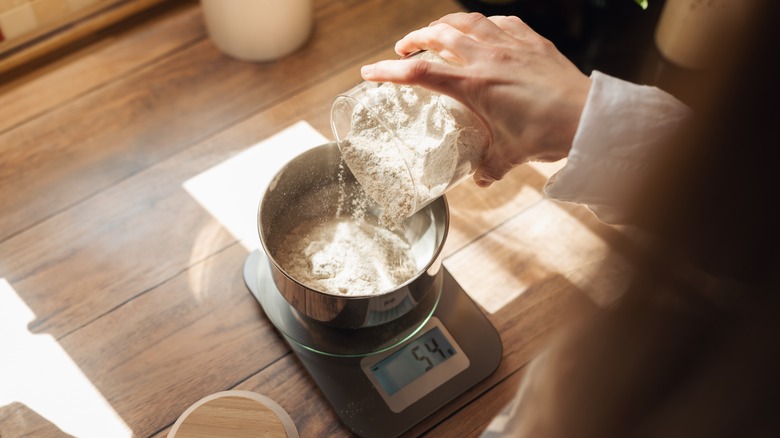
[{"x": 406, "y": 145}]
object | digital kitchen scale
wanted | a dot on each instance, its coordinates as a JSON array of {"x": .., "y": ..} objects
[{"x": 383, "y": 380}]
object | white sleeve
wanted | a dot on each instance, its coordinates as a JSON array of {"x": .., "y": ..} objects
[{"x": 621, "y": 126}]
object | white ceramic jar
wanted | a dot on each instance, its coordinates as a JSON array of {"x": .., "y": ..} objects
[{"x": 258, "y": 30}]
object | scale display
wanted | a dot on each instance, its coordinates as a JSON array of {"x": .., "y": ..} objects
[
  {"x": 405, "y": 375},
  {"x": 383, "y": 395},
  {"x": 415, "y": 359}
]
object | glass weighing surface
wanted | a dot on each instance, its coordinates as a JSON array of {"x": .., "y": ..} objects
[{"x": 439, "y": 353}]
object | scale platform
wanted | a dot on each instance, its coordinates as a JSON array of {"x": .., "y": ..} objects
[{"x": 384, "y": 391}]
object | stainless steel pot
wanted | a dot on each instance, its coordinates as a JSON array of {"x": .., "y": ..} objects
[{"x": 317, "y": 185}]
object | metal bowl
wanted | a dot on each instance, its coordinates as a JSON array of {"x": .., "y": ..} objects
[{"x": 317, "y": 185}]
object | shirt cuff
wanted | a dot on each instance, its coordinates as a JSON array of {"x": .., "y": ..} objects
[{"x": 621, "y": 126}]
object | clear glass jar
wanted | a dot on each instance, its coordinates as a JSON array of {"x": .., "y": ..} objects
[{"x": 406, "y": 145}]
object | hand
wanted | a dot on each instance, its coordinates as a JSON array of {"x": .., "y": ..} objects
[{"x": 527, "y": 93}]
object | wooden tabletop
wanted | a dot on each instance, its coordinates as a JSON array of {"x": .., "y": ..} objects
[{"x": 130, "y": 170}]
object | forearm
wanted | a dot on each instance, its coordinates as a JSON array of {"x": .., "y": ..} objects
[{"x": 621, "y": 127}]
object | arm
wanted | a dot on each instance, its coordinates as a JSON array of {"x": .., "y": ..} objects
[
  {"x": 540, "y": 107},
  {"x": 623, "y": 125},
  {"x": 527, "y": 93}
]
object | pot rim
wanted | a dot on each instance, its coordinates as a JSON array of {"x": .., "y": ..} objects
[{"x": 435, "y": 257}]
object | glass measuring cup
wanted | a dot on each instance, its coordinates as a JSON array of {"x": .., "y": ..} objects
[{"x": 406, "y": 145}]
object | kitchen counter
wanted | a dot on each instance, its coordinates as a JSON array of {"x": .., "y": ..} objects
[{"x": 130, "y": 172}]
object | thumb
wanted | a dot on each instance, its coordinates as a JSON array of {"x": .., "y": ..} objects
[{"x": 493, "y": 167}]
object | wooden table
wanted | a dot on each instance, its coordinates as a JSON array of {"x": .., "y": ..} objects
[{"x": 122, "y": 300}]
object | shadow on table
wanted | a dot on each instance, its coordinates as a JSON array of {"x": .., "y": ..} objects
[{"x": 26, "y": 422}]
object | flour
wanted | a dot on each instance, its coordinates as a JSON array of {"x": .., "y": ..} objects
[
  {"x": 408, "y": 145},
  {"x": 347, "y": 256}
]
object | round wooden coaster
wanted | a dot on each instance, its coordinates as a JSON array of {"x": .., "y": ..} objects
[{"x": 234, "y": 414}]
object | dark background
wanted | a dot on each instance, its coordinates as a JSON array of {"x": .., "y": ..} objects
[{"x": 615, "y": 37}]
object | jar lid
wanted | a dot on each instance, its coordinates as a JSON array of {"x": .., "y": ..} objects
[{"x": 234, "y": 414}]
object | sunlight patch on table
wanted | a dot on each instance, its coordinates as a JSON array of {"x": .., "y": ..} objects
[
  {"x": 547, "y": 169},
  {"x": 542, "y": 243},
  {"x": 231, "y": 190},
  {"x": 36, "y": 372}
]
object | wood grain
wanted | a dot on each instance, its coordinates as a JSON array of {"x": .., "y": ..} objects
[
  {"x": 141, "y": 286},
  {"x": 148, "y": 213},
  {"x": 105, "y": 60},
  {"x": 81, "y": 24},
  {"x": 100, "y": 138}
]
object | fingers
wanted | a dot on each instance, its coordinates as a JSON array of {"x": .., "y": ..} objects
[
  {"x": 456, "y": 36},
  {"x": 439, "y": 77},
  {"x": 486, "y": 175},
  {"x": 511, "y": 25},
  {"x": 473, "y": 24},
  {"x": 494, "y": 166},
  {"x": 450, "y": 43},
  {"x": 399, "y": 72}
]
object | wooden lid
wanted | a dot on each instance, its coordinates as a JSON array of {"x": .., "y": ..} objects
[{"x": 234, "y": 414}]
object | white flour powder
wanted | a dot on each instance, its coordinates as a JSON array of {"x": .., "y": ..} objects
[
  {"x": 347, "y": 256},
  {"x": 424, "y": 143},
  {"x": 437, "y": 143}
]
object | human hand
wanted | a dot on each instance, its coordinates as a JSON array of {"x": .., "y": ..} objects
[{"x": 527, "y": 93}]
